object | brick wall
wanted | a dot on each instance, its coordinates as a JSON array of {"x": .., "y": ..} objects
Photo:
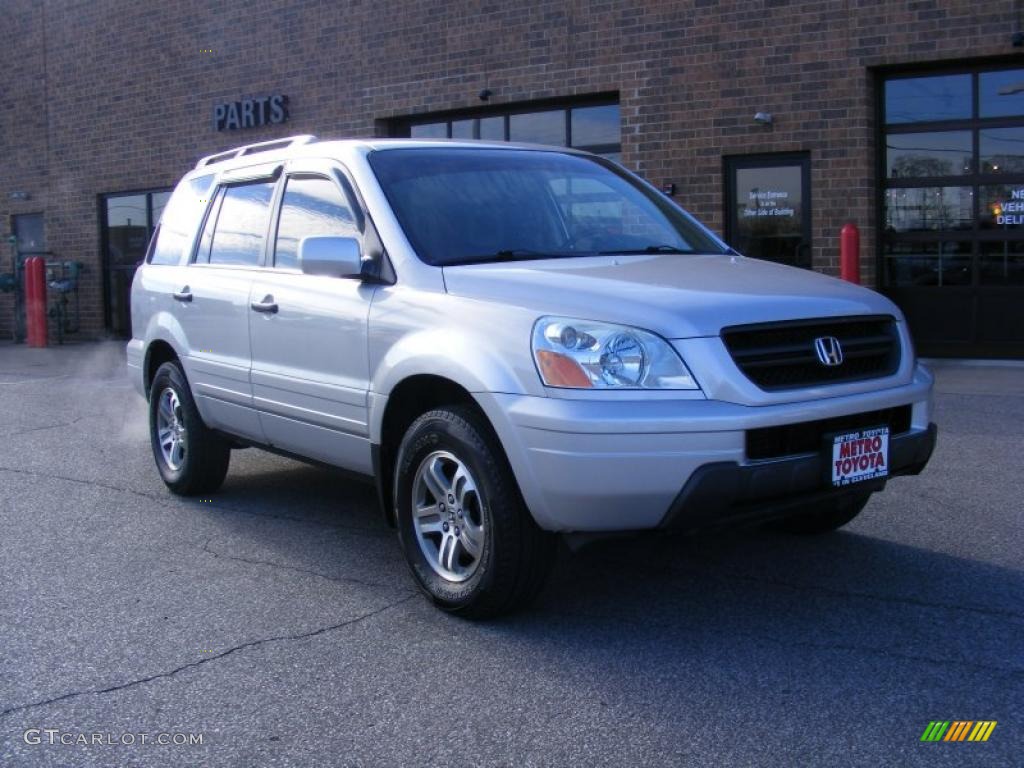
[{"x": 104, "y": 96}]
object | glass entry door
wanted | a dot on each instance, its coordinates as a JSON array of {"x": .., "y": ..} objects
[
  {"x": 768, "y": 207},
  {"x": 127, "y": 224}
]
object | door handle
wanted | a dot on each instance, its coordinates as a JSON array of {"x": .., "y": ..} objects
[
  {"x": 267, "y": 305},
  {"x": 185, "y": 294}
]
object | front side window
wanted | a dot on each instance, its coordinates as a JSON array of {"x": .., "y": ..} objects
[
  {"x": 463, "y": 205},
  {"x": 242, "y": 224},
  {"x": 311, "y": 206}
]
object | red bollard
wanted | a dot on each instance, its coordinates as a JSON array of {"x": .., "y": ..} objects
[
  {"x": 35, "y": 301},
  {"x": 849, "y": 253}
]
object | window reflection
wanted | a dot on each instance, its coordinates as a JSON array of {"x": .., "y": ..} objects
[
  {"x": 1002, "y": 150},
  {"x": 310, "y": 207},
  {"x": 241, "y": 224},
  {"x": 1001, "y": 263},
  {"x": 429, "y": 131},
  {"x": 462, "y": 129},
  {"x": 595, "y": 126},
  {"x": 538, "y": 128},
  {"x": 925, "y": 99},
  {"x": 919, "y": 209},
  {"x": 1001, "y": 94},
  {"x": 920, "y": 155},
  {"x": 177, "y": 220},
  {"x": 928, "y": 264}
]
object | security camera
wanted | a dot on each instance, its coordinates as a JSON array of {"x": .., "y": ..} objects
[
  {"x": 1017, "y": 39},
  {"x": 485, "y": 94}
]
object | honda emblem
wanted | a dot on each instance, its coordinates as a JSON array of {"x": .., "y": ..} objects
[{"x": 829, "y": 350}]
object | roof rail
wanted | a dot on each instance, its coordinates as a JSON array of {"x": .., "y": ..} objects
[{"x": 252, "y": 149}]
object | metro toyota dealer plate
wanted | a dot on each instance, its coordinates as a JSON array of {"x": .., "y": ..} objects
[{"x": 860, "y": 456}]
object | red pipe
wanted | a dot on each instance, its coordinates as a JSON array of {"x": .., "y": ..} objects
[
  {"x": 35, "y": 301},
  {"x": 849, "y": 253}
]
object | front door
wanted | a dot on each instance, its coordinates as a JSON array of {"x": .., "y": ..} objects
[
  {"x": 310, "y": 365},
  {"x": 768, "y": 208}
]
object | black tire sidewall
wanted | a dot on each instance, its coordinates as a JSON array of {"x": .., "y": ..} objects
[
  {"x": 171, "y": 375},
  {"x": 436, "y": 432}
]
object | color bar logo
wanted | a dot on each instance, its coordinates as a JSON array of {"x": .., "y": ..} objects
[{"x": 958, "y": 730}]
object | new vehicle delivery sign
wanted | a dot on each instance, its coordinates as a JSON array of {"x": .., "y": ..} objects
[{"x": 860, "y": 456}]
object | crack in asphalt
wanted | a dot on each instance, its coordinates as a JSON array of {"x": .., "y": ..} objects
[
  {"x": 42, "y": 429},
  {"x": 362, "y": 531},
  {"x": 297, "y": 569},
  {"x": 872, "y": 596},
  {"x": 208, "y": 659}
]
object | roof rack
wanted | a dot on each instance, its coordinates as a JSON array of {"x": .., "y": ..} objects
[{"x": 252, "y": 149}]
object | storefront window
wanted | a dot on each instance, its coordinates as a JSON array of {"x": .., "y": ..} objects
[
  {"x": 952, "y": 204},
  {"x": 593, "y": 128}
]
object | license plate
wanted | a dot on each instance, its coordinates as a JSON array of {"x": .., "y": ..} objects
[{"x": 860, "y": 456}]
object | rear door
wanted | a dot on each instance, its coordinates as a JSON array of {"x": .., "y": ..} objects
[
  {"x": 310, "y": 365},
  {"x": 213, "y": 302}
]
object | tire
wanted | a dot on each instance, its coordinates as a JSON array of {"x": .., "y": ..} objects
[
  {"x": 823, "y": 517},
  {"x": 483, "y": 555},
  {"x": 202, "y": 462}
]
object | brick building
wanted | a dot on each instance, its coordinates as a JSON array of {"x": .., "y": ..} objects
[{"x": 905, "y": 116}]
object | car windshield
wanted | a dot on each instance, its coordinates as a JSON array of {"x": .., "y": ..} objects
[{"x": 466, "y": 205}]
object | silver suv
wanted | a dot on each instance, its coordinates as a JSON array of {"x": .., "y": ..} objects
[{"x": 513, "y": 342}]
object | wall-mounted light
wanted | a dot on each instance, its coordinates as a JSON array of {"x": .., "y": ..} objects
[
  {"x": 19, "y": 196},
  {"x": 763, "y": 118},
  {"x": 669, "y": 188}
]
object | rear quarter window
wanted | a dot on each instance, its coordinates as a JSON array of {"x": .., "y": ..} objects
[{"x": 177, "y": 228}]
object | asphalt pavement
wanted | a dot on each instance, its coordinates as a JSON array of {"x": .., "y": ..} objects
[{"x": 277, "y": 624}]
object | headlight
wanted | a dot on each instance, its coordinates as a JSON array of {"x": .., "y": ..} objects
[{"x": 581, "y": 354}]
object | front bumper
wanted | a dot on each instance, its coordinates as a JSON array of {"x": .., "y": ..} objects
[
  {"x": 629, "y": 464},
  {"x": 728, "y": 493}
]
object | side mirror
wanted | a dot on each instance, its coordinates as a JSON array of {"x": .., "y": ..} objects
[{"x": 330, "y": 256}]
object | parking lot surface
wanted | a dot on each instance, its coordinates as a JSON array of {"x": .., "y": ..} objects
[{"x": 277, "y": 619}]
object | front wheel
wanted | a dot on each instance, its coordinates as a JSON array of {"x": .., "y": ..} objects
[
  {"x": 190, "y": 457},
  {"x": 470, "y": 542},
  {"x": 824, "y": 516}
]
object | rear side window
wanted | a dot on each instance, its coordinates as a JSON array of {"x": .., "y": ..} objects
[
  {"x": 242, "y": 224},
  {"x": 180, "y": 219},
  {"x": 310, "y": 206}
]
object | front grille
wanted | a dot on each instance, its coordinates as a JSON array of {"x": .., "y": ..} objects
[
  {"x": 807, "y": 436},
  {"x": 782, "y": 355}
]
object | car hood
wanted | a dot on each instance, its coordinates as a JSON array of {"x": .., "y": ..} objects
[{"x": 677, "y": 296}]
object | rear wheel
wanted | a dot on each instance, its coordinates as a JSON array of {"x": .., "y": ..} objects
[
  {"x": 823, "y": 517},
  {"x": 470, "y": 542},
  {"x": 190, "y": 457}
]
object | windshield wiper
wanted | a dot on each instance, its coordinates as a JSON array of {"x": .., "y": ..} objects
[
  {"x": 648, "y": 249},
  {"x": 514, "y": 254}
]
